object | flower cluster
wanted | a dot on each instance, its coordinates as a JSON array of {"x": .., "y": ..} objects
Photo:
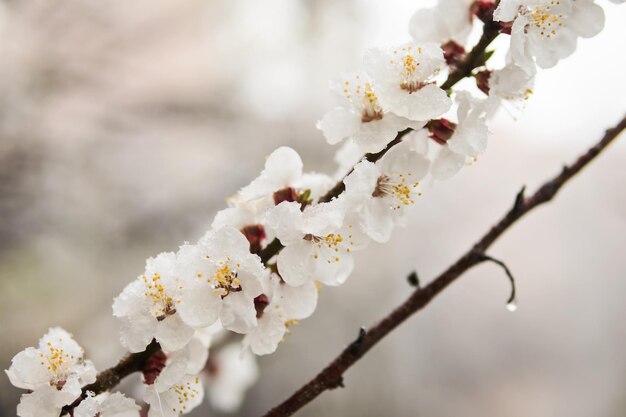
[{"x": 258, "y": 271}]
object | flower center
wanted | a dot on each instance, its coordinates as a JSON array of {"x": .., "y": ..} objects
[
  {"x": 330, "y": 245},
  {"x": 363, "y": 98},
  {"x": 371, "y": 107},
  {"x": 397, "y": 188},
  {"x": 163, "y": 305},
  {"x": 226, "y": 280},
  {"x": 409, "y": 77},
  {"x": 544, "y": 20},
  {"x": 185, "y": 393},
  {"x": 58, "y": 363}
]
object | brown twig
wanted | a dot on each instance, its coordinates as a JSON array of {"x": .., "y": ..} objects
[
  {"x": 475, "y": 58},
  {"x": 109, "y": 378},
  {"x": 332, "y": 375}
]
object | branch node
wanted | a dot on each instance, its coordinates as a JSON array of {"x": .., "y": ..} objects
[
  {"x": 414, "y": 280},
  {"x": 519, "y": 200},
  {"x": 510, "y": 303},
  {"x": 356, "y": 346},
  {"x": 338, "y": 383}
]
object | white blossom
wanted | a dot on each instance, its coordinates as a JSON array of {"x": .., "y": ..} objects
[
  {"x": 511, "y": 83},
  {"x": 281, "y": 308},
  {"x": 470, "y": 135},
  {"x": 283, "y": 171},
  {"x": 106, "y": 405},
  {"x": 180, "y": 397},
  {"x": 54, "y": 372},
  {"x": 318, "y": 242},
  {"x": 449, "y": 20},
  {"x": 449, "y": 151},
  {"x": 361, "y": 117},
  {"x": 404, "y": 80},
  {"x": 383, "y": 191},
  {"x": 546, "y": 31},
  {"x": 171, "y": 379},
  {"x": 444, "y": 163},
  {"x": 222, "y": 278},
  {"x": 148, "y": 307},
  {"x": 232, "y": 371}
]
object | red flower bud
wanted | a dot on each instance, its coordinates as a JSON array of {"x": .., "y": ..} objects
[
  {"x": 255, "y": 235},
  {"x": 286, "y": 194},
  {"x": 441, "y": 130},
  {"x": 260, "y": 303},
  {"x": 453, "y": 53},
  {"x": 483, "y": 9},
  {"x": 482, "y": 81},
  {"x": 505, "y": 27},
  {"x": 153, "y": 367}
]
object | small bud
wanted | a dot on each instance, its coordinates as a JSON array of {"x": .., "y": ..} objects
[
  {"x": 453, "y": 53},
  {"x": 482, "y": 81},
  {"x": 505, "y": 27},
  {"x": 286, "y": 194},
  {"x": 483, "y": 9},
  {"x": 260, "y": 303},
  {"x": 153, "y": 367},
  {"x": 441, "y": 130},
  {"x": 255, "y": 235}
]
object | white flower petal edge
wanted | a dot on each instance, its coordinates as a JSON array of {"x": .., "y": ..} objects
[
  {"x": 448, "y": 20},
  {"x": 236, "y": 370},
  {"x": 286, "y": 305},
  {"x": 381, "y": 192},
  {"x": 107, "y": 405}
]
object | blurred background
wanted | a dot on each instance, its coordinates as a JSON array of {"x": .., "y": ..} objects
[{"x": 124, "y": 125}]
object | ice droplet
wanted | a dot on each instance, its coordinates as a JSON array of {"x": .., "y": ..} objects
[{"x": 512, "y": 306}]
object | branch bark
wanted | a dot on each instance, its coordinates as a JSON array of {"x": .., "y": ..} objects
[
  {"x": 109, "y": 378},
  {"x": 332, "y": 375}
]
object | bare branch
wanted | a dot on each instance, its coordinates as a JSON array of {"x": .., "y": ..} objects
[{"x": 421, "y": 297}]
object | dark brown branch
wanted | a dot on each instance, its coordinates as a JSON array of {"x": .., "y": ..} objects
[
  {"x": 475, "y": 58},
  {"x": 329, "y": 377},
  {"x": 109, "y": 378}
]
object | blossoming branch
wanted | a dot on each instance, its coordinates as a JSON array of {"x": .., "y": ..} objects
[{"x": 259, "y": 269}]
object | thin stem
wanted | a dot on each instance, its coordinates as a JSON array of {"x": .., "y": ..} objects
[
  {"x": 332, "y": 375},
  {"x": 109, "y": 378}
]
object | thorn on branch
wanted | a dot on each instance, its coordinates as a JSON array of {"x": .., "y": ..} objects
[
  {"x": 356, "y": 346},
  {"x": 519, "y": 200},
  {"x": 414, "y": 280},
  {"x": 511, "y": 301},
  {"x": 338, "y": 383}
]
